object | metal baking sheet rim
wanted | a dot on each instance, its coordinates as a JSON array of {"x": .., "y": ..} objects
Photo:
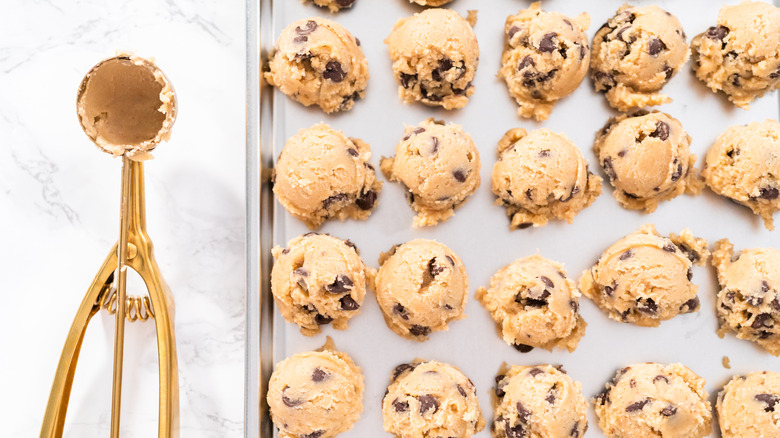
[{"x": 259, "y": 222}]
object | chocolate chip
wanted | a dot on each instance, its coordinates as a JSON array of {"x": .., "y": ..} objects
[
  {"x": 366, "y": 200},
  {"x": 689, "y": 274},
  {"x": 763, "y": 320},
  {"x": 776, "y": 304},
  {"x": 401, "y": 311},
  {"x": 535, "y": 371},
  {"x": 604, "y": 81},
  {"x": 348, "y": 303},
  {"x": 768, "y": 193},
  {"x": 353, "y": 152},
  {"x": 583, "y": 52},
  {"x": 345, "y": 4},
  {"x": 646, "y": 305},
  {"x": 526, "y": 62},
  {"x": 668, "y": 72},
  {"x": 407, "y": 80},
  {"x": 638, "y": 406},
  {"x": 670, "y": 247},
  {"x": 461, "y": 391},
  {"x": 546, "y": 44},
  {"x": 734, "y": 79},
  {"x": 435, "y": 147},
  {"x": 512, "y": 31},
  {"x": 403, "y": 367},
  {"x": 301, "y": 273},
  {"x": 322, "y": 319},
  {"x": 769, "y": 399},
  {"x": 286, "y": 251},
  {"x": 289, "y": 402},
  {"x": 444, "y": 65},
  {"x": 523, "y": 348},
  {"x": 341, "y": 284},
  {"x": 655, "y": 46},
  {"x": 775, "y": 74},
  {"x": 459, "y": 175},
  {"x": 619, "y": 34},
  {"x": 334, "y": 72},
  {"x": 428, "y": 402},
  {"x": 544, "y": 153},
  {"x": 300, "y": 40},
  {"x": 659, "y": 377},
  {"x": 311, "y": 26},
  {"x": 547, "y": 282},
  {"x": 575, "y": 430},
  {"x": 525, "y": 225},
  {"x": 692, "y": 255},
  {"x": 690, "y": 306},
  {"x": 603, "y": 397},
  {"x": 622, "y": 153},
  {"x": 315, "y": 434},
  {"x": 717, "y": 32},
  {"x": 419, "y": 330},
  {"x": 608, "y": 169},
  {"x": 500, "y": 384},
  {"x": 764, "y": 286},
  {"x": 414, "y": 132},
  {"x": 350, "y": 244},
  {"x": 661, "y": 130},
  {"x": 516, "y": 431},
  {"x": 552, "y": 394},
  {"x": 677, "y": 171},
  {"x": 330, "y": 200},
  {"x": 669, "y": 411},
  {"x": 400, "y": 406},
  {"x": 575, "y": 306},
  {"x": 522, "y": 413},
  {"x": 610, "y": 289},
  {"x": 309, "y": 308},
  {"x": 626, "y": 255},
  {"x": 318, "y": 375},
  {"x": 754, "y": 300},
  {"x": 449, "y": 259}
]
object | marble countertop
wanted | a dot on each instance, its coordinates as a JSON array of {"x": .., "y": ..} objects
[{"x": 59, "y": 212}]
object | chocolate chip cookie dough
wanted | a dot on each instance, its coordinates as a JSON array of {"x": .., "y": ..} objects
[
  {"x": 540, "y": 176},
  {"x": 333, "y": 5},
  {"x": 435, "y": 56},
  {"x": 421, "y": 286},
  {"x": 439, "y": 166},
  {"x": 538, "y": 401},
  {"x": 315, "y": 394},
  {"x": 430, "y": 2},
  {"x": 545, "y": 58},
  {"x": 651, "y": 400},
  {"x": 741, "y": 55},
  {"x": 318, "y": 62},
  {"x": 647, "y": 159},
  {"x": 744, "y": 166},
  {"x": 749, "y": 297},
  {"x": 316, "y": 280},
  {"x": 534, "y": 304},
  {"x": 635, "y": 53},
  {"x": 321, "y": 174},
  {"x": 645, "y": 278},
  {"x": 748, "y": 406},
  {"x": 430, "y": 398}
]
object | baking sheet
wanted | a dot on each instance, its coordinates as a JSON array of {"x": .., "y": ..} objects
[{"x": 479, "y": 231}]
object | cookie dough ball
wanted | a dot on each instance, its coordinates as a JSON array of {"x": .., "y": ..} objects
[
  {"x": 435, "y": 56},
  {"x": 540, "y": 176},
  {"x": 650, "y": 400},
  {"x": 635, "y": 53},
  {"x": 334, "y": 5},
  {"x": 645, "y": 278},
  {"x": 538, "y": 401},
  {"x": 744, "y": 165},
  {"x": 430, "y": 398},
  {"x": 439, "y": 166},
  {"x": 534, "y": 304},
  {"x": 545, "y": 58},
  {"x": 749, "y": 296},
  {"x": 421, "y": 286},
  {"x": 315, "y": 394},
  {"x": 316, "y": 280},
  {"x": 318, "y": 62},
  {"x": 741, "y": 55},
  {"x": 647, "y": 159},
  {"x": 748, "y": 406},
  {"x": 322, "y": 174}
]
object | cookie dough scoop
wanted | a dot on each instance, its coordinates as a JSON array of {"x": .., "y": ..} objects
[
  {"x": 439, "y": 166},
  {"x": 741, "y": 55},
  {"x": 545, "y": 58},
  {"x": 747, "y": 406},
  {"x": 635, "y": 53}
]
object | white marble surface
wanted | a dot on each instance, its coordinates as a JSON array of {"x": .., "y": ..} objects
[{"x": 59, "y": 200}]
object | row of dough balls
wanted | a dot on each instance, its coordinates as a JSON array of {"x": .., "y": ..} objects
[
  {"x": 539, "y": 175},
  {"x": 422, "y": 286},
  {"x": 635, "y": 53},
  {"x": 337, "y": 5},
  {"x": 319, "y": 394}
]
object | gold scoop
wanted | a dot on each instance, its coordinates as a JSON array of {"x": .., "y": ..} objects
[{"x": 126, "y": 106}]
